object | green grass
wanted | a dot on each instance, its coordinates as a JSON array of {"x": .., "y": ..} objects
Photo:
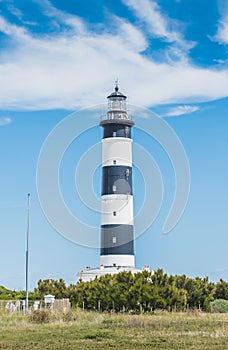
[{"x": 93, "y": 330}]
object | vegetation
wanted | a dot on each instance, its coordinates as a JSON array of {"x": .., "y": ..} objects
[
  {"x": 219, "y": 305},
  {"x": 95, "y": 330},
  {"x": 133, "y": 314},
  {"x": 7, "y": 294},
  {"x": 141, "y": 292}
]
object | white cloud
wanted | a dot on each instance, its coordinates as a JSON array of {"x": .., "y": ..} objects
[
  {"x": 76, "y": 68},
  {"x": 180, "y": 110},
  {"x": 15, "y": 11},
  {"x": 59, "y": 16},
  {"x": 222, "y": 32},
  {"x": 130, "y": 35},
  {"x": 159, "y": 25},
  {"x": 13, "y": 31},
  {"x": 5, "y": 121},
  {"x": 19, "y": 14},
  {"x": 149, "y": 12}
]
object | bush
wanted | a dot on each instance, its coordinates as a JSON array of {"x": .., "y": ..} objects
[
  {"x": 68, "y": 316},
  {"x": 40, "y": 316},
  {"x": 219, "y": 305}
]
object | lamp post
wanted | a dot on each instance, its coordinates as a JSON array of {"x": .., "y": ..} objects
[{"x": 27, "y": 254}]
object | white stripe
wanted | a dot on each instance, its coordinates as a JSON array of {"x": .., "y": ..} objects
[
  {"x": 117, "y": 260},
  {"x": 117, "y": 151},
  {"x": 117, "y": 209}
]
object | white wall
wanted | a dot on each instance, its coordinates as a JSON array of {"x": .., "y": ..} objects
[
  {"x": 118, "y": 260},
  {"x": 121, "y": 204},
  {"x": 117, "y": 149}
]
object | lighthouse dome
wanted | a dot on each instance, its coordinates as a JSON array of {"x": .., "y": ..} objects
[{"x": 117, "y": 93}]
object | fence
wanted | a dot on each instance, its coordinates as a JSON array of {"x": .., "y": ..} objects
[{"x": 59, "y": 305}]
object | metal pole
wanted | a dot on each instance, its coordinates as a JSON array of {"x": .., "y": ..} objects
[{"x": 27, "y": 255}]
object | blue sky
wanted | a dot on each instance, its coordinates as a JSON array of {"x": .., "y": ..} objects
[{"x": 170, "y": 57}]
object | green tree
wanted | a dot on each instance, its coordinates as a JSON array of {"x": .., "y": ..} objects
[
  {"x": 51, "y": 286},
  {"x": 221, "y": 290}
]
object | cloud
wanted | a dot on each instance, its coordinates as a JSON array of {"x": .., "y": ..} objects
[
  {"x": 130, "y": 35},
  {"x": 15, "y": 11},
  {"x": 180, "y": 110},
  {"x": 74, "y": 67},
  {"x": 222, "y": 32},
  {"x": 19, "y": 14},
  {"x": 62, "y": 17},
  {"x": 5, "y": 121},
  {"x": 149, "y": 13},
  {"x": 160, "y": 26},
  {"x": 13, "y": 31}
]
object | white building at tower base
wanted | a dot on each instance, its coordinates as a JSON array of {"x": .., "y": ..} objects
[{"x": 89, "y": 274}]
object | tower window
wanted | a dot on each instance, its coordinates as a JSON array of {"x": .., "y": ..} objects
[
  {"x": 114, "y": 213},
  {"x": 127, "y": 172},
  {"x": 113, "y": 239},
  {"x": 114, "y": 134},
  {"x": 114, "y": 188},
  {"x": 114, "y": 162}
]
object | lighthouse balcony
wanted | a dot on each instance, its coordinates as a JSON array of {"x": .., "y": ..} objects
[{"x": 116, "y": 117}]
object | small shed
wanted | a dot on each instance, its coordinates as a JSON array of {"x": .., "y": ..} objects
[{"x": 49, "y": 299}]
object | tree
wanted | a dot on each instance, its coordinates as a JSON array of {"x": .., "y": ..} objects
[
  {"x": 221, "y": 290},
  {"x": 51, "y": 286},
  {"x": 144, "y": 291}
]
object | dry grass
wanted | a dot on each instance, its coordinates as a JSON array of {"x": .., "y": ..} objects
[{"x": 92, "y": 330}]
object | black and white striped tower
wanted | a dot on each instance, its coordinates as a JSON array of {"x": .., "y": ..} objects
[{"x": 117, "y": 220}]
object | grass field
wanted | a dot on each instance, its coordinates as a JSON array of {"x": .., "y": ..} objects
[{"x": 92, "y": 330}]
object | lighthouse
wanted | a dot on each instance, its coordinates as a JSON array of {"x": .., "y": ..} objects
[
  {"x": 117, "y": 212},
  {"x": 117, "y": 219}
]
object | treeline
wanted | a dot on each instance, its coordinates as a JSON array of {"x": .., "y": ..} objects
[
  {"x": 136, "y": 292},
  {"x": 7, "y": 294},
  {"x": 144, "y": 291}
]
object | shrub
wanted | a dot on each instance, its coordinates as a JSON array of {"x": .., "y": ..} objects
[
  {"x": 40, "y": 316},
  {"x": 68, "y": 316},
  {"x": 219, "y": 305}
]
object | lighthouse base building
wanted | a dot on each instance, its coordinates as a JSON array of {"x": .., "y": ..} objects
[
  {"x": 90, "y": 274},
  {"x": 117, "y": 213}
]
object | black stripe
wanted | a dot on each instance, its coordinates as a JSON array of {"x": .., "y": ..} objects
[
  {"x": 117, "y": 121},
  {"x": 116, "y": 180},
  {"x": 117, "y": 239},
  {"x": 116, "y": 130}
]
